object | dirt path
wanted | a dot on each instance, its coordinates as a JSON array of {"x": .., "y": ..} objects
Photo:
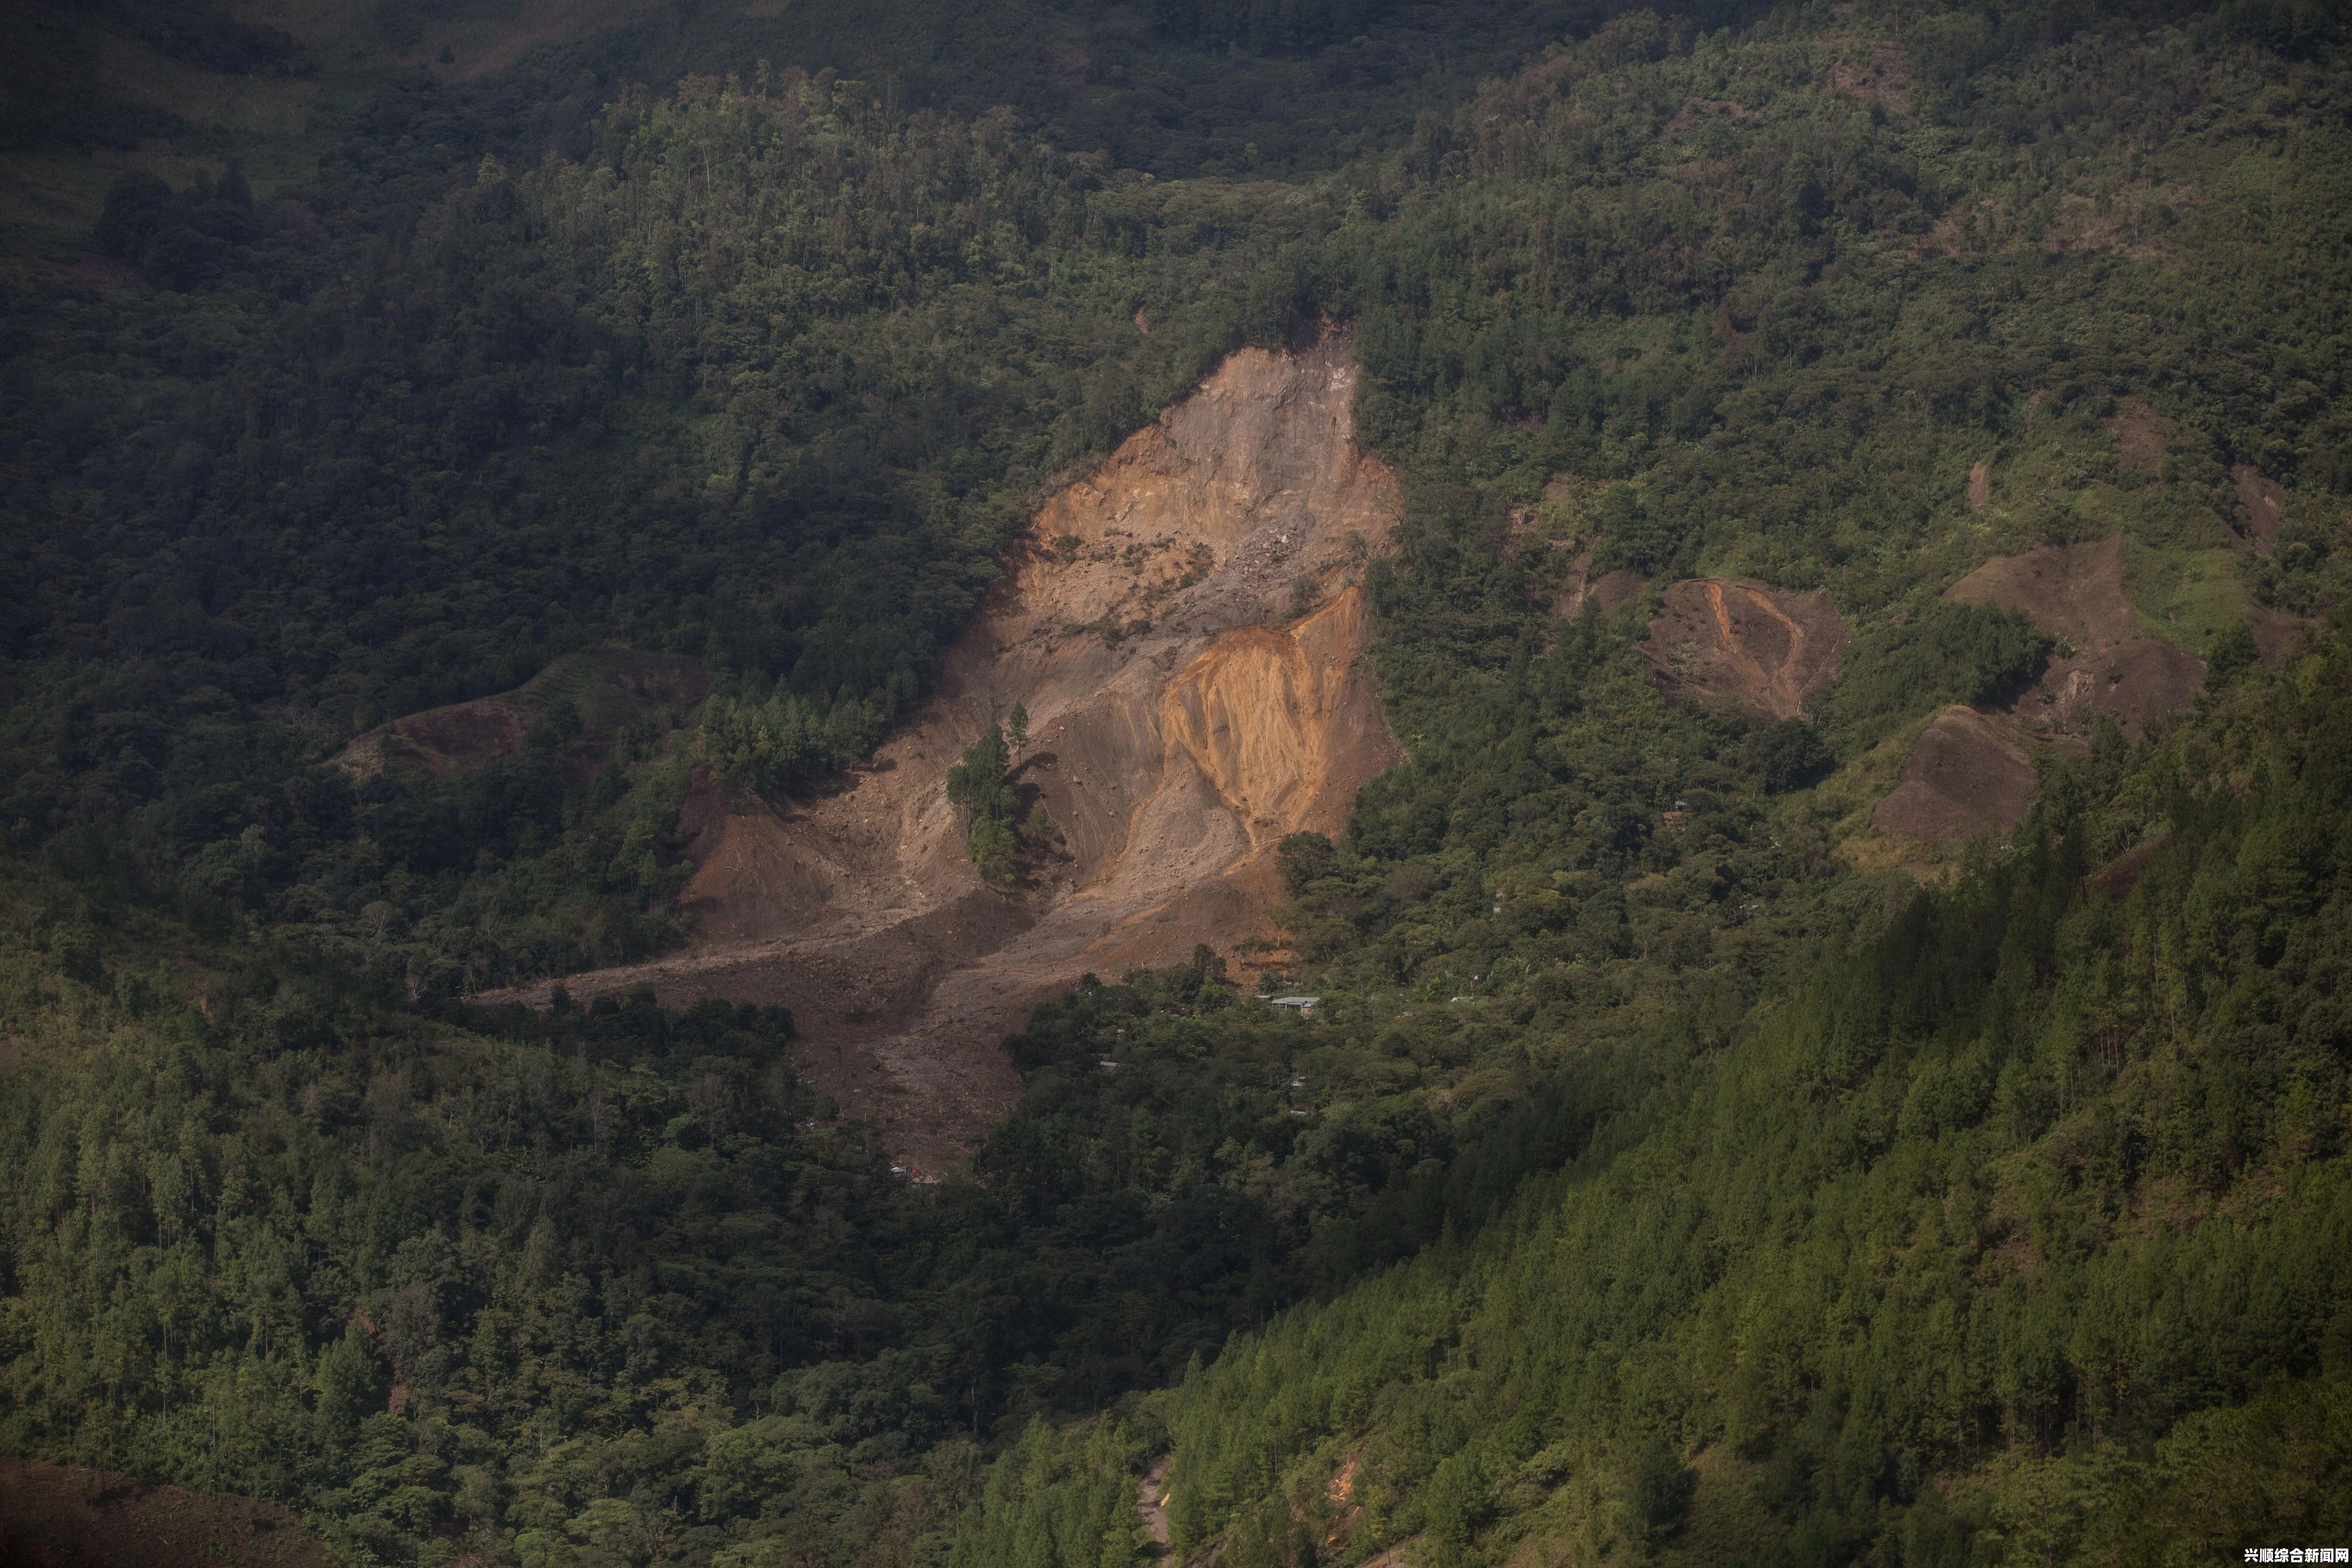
[
  {"x": 1152, "y": 1502},
  {"x": 1185, "y": 715}
]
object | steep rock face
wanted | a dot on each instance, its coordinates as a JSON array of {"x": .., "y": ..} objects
[
  {"x": 1186, "y": 634},
  {"x": 1283, "y": 723}
]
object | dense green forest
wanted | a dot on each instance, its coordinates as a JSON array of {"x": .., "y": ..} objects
[
  {"x": 2017, "y": 1232},
  {"x": 1652, "y": 1183}
]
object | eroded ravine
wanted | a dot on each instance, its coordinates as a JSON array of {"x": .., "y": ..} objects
[{"x": 1187, "y": 634}]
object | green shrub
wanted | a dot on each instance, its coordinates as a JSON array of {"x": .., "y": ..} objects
[{"x": 1942, "y": 652}]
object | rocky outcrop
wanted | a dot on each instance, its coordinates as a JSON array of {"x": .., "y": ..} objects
[{"x": 1283, "y": 723}]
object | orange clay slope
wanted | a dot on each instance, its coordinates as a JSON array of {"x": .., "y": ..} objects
[{"x": 1187, "y": 635}]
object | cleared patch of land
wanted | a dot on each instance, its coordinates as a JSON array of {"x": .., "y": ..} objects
[
  {"x": 1765, "y": 648},
  {"x": 1969, "y": 773},
  {"x": 1971, "y": 770},
  {"x": 55, "y": 1517},
  {"x": 2071, "y": 590},
  {"x": 2132, "y": 683},
  {"x": 1185, "y": 634}
]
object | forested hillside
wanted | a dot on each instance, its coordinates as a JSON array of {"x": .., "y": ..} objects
[
  {"x": 1681, "y": 1164},
  {"x": 784, "y": 424},
  {"x": 2017, "y": 1232}
]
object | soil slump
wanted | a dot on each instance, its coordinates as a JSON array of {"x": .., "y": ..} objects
[
  {"x": 1981, "y": 484},
  {"x": 1186, "y": 635},
  {"x": 1766, "y": 648}
]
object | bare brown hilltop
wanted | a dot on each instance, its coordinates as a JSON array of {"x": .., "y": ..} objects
[{"x": 1187, "y": 635}]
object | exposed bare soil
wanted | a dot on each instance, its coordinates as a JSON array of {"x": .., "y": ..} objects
[
  {"x": 2139, "y": 433},
  {"x": 1765, "y": 648},
  {"x": 1152, "y": 1502},
  {"x": 2119, "y": 876},
  {"x": 52, "y": 1517},
  {"x": 1965, "y": 778},
  {"x": 608, "y": 687},
  {"x": 443, "y": 741},
  {"x": 2071, "y": 590},
  {"x": 1981, "y": 484},
  {"x": 2106, "y": 664},
  {"x": 2131, "y": 683},
  {"x": 1182, "y": 722},
  {"x": 2276, "y": 633},
  {"x": 1603, "y": 593},
  {"x": 2261, "y": 503},
  {"x": 1970, "y": 773}
]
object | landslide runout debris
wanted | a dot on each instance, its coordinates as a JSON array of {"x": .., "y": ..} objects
[{"x": 1187, "y": 634}]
